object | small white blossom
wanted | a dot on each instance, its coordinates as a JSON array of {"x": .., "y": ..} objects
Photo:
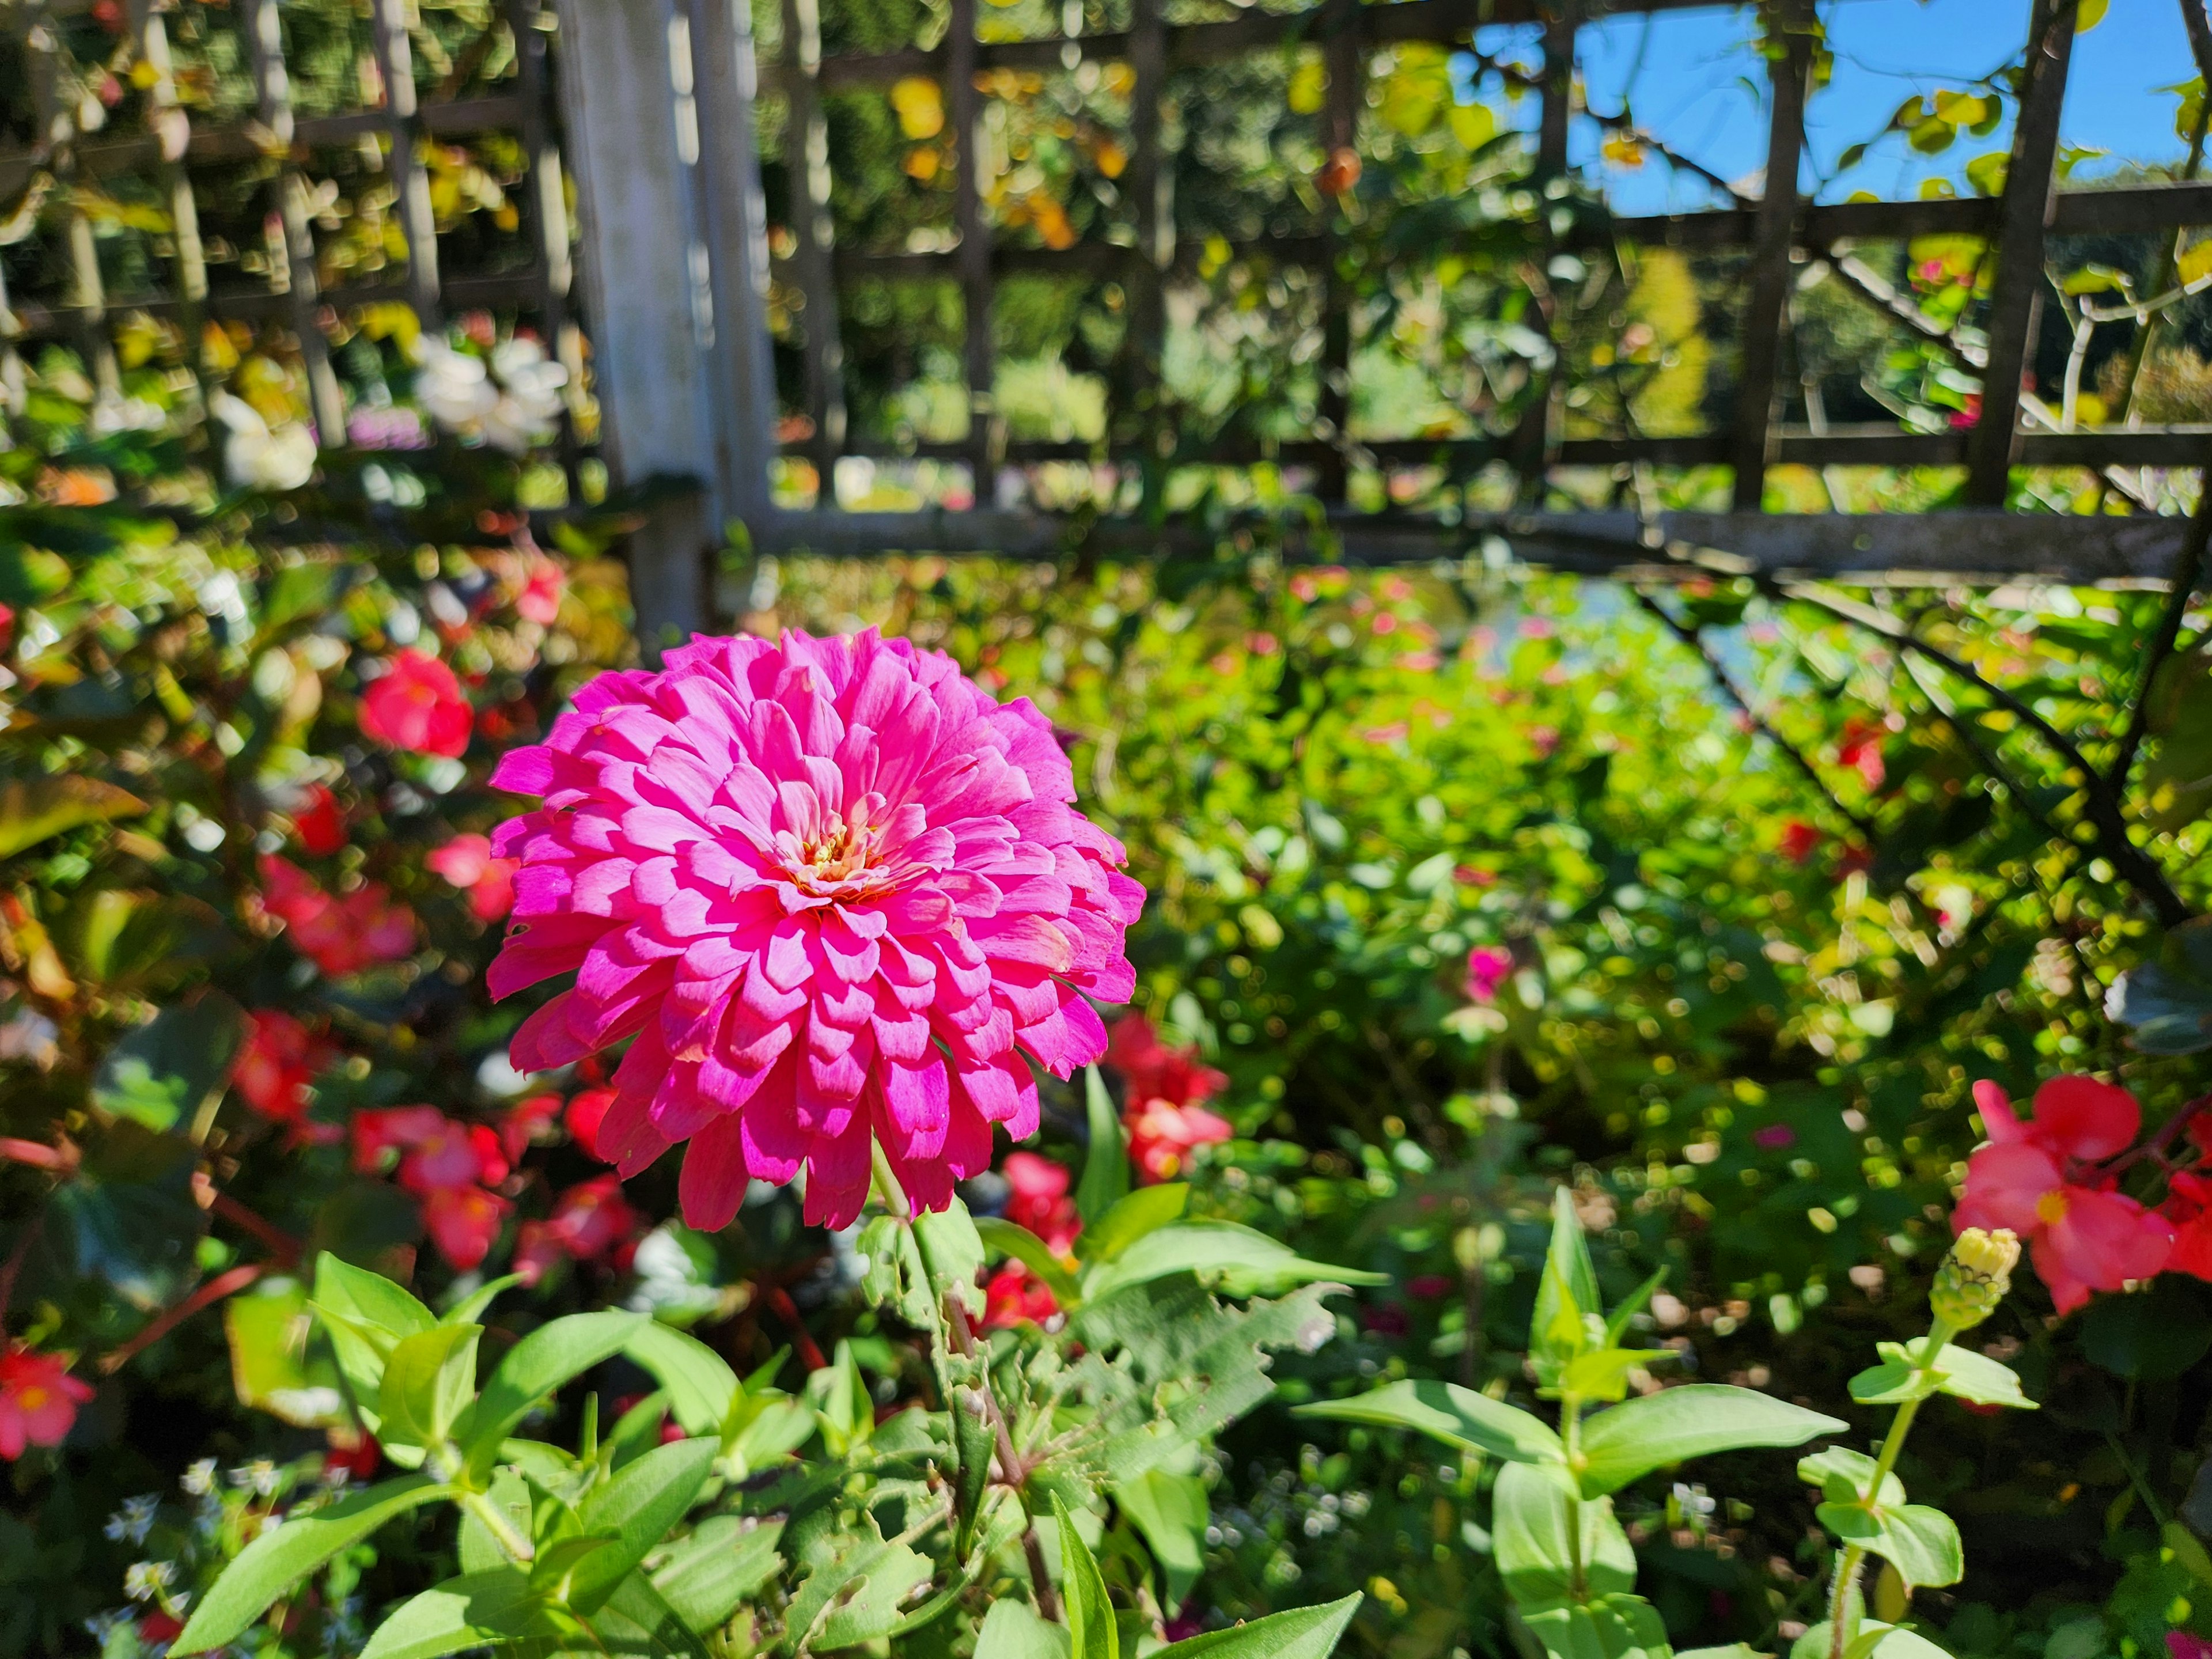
[
  {"x": 200, "y": 1479},
  {"x": 258, "y": 457},
  {"x": 260, "y": 1475},
  {"x": 134, "y": 1520},
  {"x": 143, "y": 1580},
  {"x": 454, "y": 386}
]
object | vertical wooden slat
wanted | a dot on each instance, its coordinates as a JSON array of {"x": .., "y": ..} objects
[
  {"x": 806, "y": 162},
  {"x": 1346, "y": 63},
  {"x": 1532, "y": 440},
  {"x": 264, "y": 31},
  {"x": 986, "y": 431},
  {"x": 1773, "y": 236},
  {"x": 395, "y": 62},
  {"x": 1151, "y": 188},
  {"x": 57, "y": 137},
  {"x": 2023, "y": 217},
  {"x": 734, "y": 229},
  {"x": 172, "y": 131},
  {"x": 554, "y": 263}
]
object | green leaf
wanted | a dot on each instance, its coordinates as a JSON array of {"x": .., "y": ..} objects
[
  {"x": 367, "y": 1317},
  {"x": 1874, "y": 1639},
  {"x": 469, "y": 1310},
  {"x": 1004, "y": 1237},
  {"x": 270, "y": 1367},
  {"x": 479, "y": 1552},
  {"x": 1617, "y": 1326},
  {"x": 1620, "y": 1626},
  {"x": 1529, "y": 1533},
  {"x": 638, "y": 1508},
  {"x": 636, "y": 1620},
  {"x": 709, "y": 1574},
  {"x": 1603, "y": 1373},
  {"x": 2169, "y": 1001},
  {"x": 1132, "y": 1216},
  {"x": 429, "y": 1379},
  {"x": 1957, "y": 1371},
  {"x": 1011, "y": 1631},
  {"x": 1106, "y": 1170},
  {"x": 1171, "y": 1511},
  {"x": 479, "y": 1609},
  {"x": 952, "y": 1253},
  {"x": 1566, "y": 1294},
  {"x": 34, "y": 809},
  {"x": 1242, "y": 1261},
  {"x": 702, "y": 1388},
  {"x": 1638, "y": 1436},
  {"x": 128, "y": 1218},
  {"x": 543, "y": 1361},
  {"x": 160, "y": 1074},
  {"x": 275, "y": 1562},
  {"x": 1459, "y": 1417},
  {"x": 1920, "y": 1542},
  {"x": 1092, "y": 1634},
  {"x": 856, "y": 1598},
  {"x": 1300, "y": 1633},
  {"x": 1854, "y": 1469}
]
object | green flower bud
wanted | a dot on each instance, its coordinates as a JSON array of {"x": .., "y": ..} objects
[{"x": 1974, "y": 1277}]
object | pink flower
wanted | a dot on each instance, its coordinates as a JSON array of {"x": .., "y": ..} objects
[
  {"x": 540, "y": 598},
  {"x": 1015, "y": 1296},
  {"x": 38, "y": 1399},
  {"x": 1487, "y": 968},
  {"x": 464, "y": 1222},
  {"x": 1163, "y": 1136},
  {"x": 527, "y": 1122},
  {"x": 1774, "y": 1137},
  {"x": 1799, "y": 841},
  {"x": 2189, "y": 1207},
  {"x": 340, "y": 936},
  {"x": 586, "y": 1112},
  {"x": 591, "y": 1218},
  {"x": 466, "y": 862},
  {"x": 416, "y": 705},
  {"x": 317, "y": 822},
  {"x": 442, "y": 1162},
  {"x": 1153, "y": 1071},
  {"x": 277, "y": 1067},
  {"x": 1040, "y": 1201},
  {"x": 1862, "y": 748},
  {"x": 835, "y": 891},
  {"x": 2180, "y": 1645},
  {"x": 2036, "y": 1178}
]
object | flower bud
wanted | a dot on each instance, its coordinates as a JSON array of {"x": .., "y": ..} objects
[{"x": 1974, "y": 1277}]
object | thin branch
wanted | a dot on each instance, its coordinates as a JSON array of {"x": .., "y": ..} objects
[
  {"x": 207, "y": 1296},
  {"x": 810, "y": 1352},
  {"x": 2188, "y": 572},
  {"x": 1695, "y": 639},
  {"x": 55, "y": 1160},
  {"x": 2136, "y": 867},
  {"x": 280, "y": 1243}
]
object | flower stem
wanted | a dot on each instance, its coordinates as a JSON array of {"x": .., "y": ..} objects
[
  {"x": 519, "y": 1549},
  {"x": 1570, "y": 1425},
  {"x": 1854, "y": 1557}
]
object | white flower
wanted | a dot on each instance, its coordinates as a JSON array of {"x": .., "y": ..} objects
[
  {"x": 200, "y": 1479},
  {"x": 256, "y": 457},
  {"x": 111, "y": 414},
  {"x": 455, "y": 387},
  {"x": 134, "y": 1520},
  {"x": 143, "y": 1580},
  {"x": 29, "y": 1034},
  {"x": 260, "y": 1474}
]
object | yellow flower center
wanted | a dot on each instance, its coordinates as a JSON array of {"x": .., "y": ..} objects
[
  {"x": 31, "y": 1398},
  {"x": 2051, "y": 1208}
]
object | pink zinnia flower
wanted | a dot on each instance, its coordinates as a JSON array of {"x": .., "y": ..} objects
[
  {"x": 2034, "y": 1178},
  {"x": 38, "y": 1399},
  {"x": 540, "y": 598},
  {"x": 1487, "y": 968},
  {"x": 1163, "y": 1135},
  {"x": 1154, "y": 1070},
  {"x": 467, "y": 863},
  {"x": 416, "y": 705},
  {"x": 834, "y": 891}
]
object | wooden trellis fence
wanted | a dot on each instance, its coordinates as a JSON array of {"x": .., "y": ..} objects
[
  {"x": 657, "y": 110},
  {"x": 1780, "y": 232},
  {"x": 172, "y": 144}
]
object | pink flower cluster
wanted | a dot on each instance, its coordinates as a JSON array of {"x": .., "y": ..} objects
[
  {"x": 1164, "y": 1111},
  {"x": 832, "y": 892},
  {"x": 2041, "y": 1178},
  {"x": 417, "y": 705},
  {"x": 340, "y": 935},
  {"x": 1039, "y": 1201},
  {"x": 277, "y": 1067},
  {"x": 450, "y": 1166}
]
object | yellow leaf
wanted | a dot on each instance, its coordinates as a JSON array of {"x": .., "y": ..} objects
[
  {"x": 2089, "y": 15},
  {"x": 1113, "y": 160},
  {"x": 1473, "y": 125},
  {"x": 2196, "y": 262},
  {"x": 921, "y": 163},
  {"x": 920, "y": 102},
  {"x": 1309, "y": 86}
]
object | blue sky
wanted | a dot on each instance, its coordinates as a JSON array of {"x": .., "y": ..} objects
[{"x": 1690, "y": 76}]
